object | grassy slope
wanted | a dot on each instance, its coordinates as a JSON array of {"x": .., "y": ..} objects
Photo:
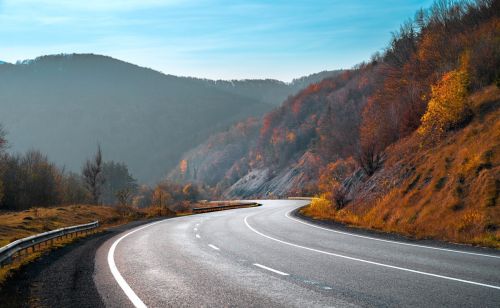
[
  {"x": 15, "y": 225},
  {"x": 448, "y": 191}
]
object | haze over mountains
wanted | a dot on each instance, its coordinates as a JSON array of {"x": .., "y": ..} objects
[{"x": 65, "y": 105}]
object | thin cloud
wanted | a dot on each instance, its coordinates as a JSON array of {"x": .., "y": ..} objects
[{"x": 92, "y": 5}]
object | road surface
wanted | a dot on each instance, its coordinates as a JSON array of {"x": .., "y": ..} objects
[{"x": 264, "y": 256}]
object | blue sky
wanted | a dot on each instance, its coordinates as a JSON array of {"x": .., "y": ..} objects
[{"x": 215, "y": 39}]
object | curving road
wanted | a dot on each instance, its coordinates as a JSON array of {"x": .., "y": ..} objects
[{"x": 264, "y": 256}]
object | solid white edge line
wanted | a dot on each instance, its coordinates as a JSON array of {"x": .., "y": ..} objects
[
  {"x": 270, "y": 269},
  {"x": 213, "y": 247},
  {"x": 389, "y": 241},
  {"x": 132, "y": 296},
  {"x": 369, "y": 262}
]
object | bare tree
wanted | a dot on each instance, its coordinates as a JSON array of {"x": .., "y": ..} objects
[
  {"x": 339, "y": 196},
  {"x": 124, "y": 195},
  {"x": 92, "y": 174}
]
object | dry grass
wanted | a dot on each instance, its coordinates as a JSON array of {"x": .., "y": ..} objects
[
  {"x": 447, "y": 191},
  {"x": 16, "y": 225}
]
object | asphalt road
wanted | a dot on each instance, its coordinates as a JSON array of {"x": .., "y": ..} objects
[{"x": 264, "y": 256}]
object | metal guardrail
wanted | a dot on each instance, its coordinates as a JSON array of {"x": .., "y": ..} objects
[
  {"x": 300, "y": 198},
  {"x": 7, "y": 252},
  {"x": 224, "y": 207}
]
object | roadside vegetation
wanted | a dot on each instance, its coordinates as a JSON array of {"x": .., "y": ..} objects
[
  {"x": 406, "y": 142},
  {"x": 433, "y": 173},
  {"x": 448, "y": 189},
  {"x": 37, "y": 196}
]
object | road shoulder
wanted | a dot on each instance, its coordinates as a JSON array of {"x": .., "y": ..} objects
[
  {"x": 336, "y": 226},
  {"x": 62, "y": 277}
]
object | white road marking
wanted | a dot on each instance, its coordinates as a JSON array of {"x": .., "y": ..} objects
[
  {"x": 213, "y": 247},
  {"x": 195, "y": 229},
  {"x": 389, "y": 241},
  {"x": 136, "y": 301},
  {"x": 197, "y": 236},
  {"x": 270, "y": 269},
  {"x": 369, "y": 262}
]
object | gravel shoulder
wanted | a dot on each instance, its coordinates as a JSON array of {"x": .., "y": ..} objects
[{"x": 61, "y": 278}]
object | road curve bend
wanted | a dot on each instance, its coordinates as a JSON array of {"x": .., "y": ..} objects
[{"x": 264, "y": 256}]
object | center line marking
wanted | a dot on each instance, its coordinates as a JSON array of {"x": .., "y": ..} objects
[
  {"x": 213, "y": 247},
  {"x": 195, "y": 229},
  {"x": 367, "y": 261},
  {"x": 197, "y": 236},
  {"x": 270, "y": 269}
]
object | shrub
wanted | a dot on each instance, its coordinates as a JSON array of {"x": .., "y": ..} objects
[{"x": 448, "y": 106}]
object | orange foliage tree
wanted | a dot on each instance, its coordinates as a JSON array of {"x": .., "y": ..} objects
[{"x": 448, "y": 105}]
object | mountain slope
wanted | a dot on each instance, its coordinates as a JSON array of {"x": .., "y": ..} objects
[
  {"x": 446, "y": 190},
  {"x": 65, "y": 104},
  {"x": 357, "y": 114}
]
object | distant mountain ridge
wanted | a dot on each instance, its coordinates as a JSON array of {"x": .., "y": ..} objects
[{"x": 65, "y": 104}]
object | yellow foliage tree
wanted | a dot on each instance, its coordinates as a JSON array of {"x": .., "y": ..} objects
[{"x": 448, "y": 104}]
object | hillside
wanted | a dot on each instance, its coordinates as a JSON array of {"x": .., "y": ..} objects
[
  {"x": 281, "y": 155},
  {"x": 361, "y": 111},
  {"x": 391, "y": 131},
  {"x": 140, "y": 116},
  {"x": 449, "y": 190}
]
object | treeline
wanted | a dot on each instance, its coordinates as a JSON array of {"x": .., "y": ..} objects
[
  {"x": 31, "y": 180},
  {"x": 449, "y": 37}
]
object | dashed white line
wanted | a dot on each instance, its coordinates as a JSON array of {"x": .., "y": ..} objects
[
  {"x": 213, "y": 247},
  {"x": 389, "y": 241},
  {"x": 369, "y": 262},
  {"x": 197, "y": 236},
  {"x": 270, "y": 269},
  {"x": 195, "y": 229}
]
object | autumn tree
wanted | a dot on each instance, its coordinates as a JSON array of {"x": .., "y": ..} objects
[
  {"x": 92, "y": 173},
  {"x": 161, "y": 198},
  {"x": 190, "y": 192},
  {"x": 448, "y": 104}
]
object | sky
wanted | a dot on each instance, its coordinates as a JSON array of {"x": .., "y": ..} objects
[{"x": 216, "y": 39}]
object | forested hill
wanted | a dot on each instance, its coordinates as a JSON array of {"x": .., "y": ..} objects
[
  {"x": 65, "y": 104},
  {"x": 408, "y": 142},
  {"x": 354, "y": 116}
]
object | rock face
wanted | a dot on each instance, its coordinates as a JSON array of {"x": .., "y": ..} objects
[{"x": 264, "y": 183}]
